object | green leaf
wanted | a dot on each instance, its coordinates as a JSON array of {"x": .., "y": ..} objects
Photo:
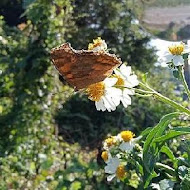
[
  {"x": 150, "y": 150},
  {"x": 149, "y": 178},
  {"x": 75, "y": 185},
  {"x": 168, "y": 152},
  {"x": 158, "y": 130},
  {"x": 146, "y": 131},
  {"x": 170, "y": 135},
  {"x": 47, "y": 164},
  {"x": 185, "y": 129}
]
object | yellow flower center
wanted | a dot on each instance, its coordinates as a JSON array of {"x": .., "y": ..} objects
[
  {"x": 120, "y": 81},
  {"x": 96, "y": 42},
  {"x": 120, "y": 172},
  {"x": 110, "y": 141},
  {"x": 104, "y": 156},
  {"x": 127, "y": 135},
  {"x": 176, "y": 49},
  {"x": 96, "y": 91}
]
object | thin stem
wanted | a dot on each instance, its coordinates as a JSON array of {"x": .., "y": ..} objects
[
  {"x": 171, "y": 103},
  {"x": 136, "y": 89},
  {"x": 182, "y": 77},
  {"x": 142, "y": 91},
  {"x": 165, "y": 99},
  {"x": 143, "y": 95}
]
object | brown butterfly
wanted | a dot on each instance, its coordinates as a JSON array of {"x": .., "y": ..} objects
[{"x": 81, "y": 68}]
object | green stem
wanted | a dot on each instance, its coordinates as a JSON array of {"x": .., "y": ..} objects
[
  {"x": 142, "y": 91},
  {"x": 171, "y": 103},
  {"x": 165, "y": 99},
  {"x": 143, "y": 95},
  {"x": 182, "y": 77}
]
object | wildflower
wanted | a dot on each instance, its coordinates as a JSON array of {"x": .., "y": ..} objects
[
  {"x": 128, "y": 141},
  {"x": 104, "y": 156},
  {"x": 109, "y": 142},
  {"x": 115, "y": 169},
  {"x": 127, "y": 135},
  {"x": 98, "y": 45},
  {"x": 104, "y": 94},
  {"x": 175, "y": 54},
  {"x": 125, "y": 79}
]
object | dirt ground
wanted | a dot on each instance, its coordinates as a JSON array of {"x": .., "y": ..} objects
[{"x": 160, "y": 18}]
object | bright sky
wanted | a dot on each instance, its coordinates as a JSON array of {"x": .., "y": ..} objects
[{"x": 162, "y": 47}]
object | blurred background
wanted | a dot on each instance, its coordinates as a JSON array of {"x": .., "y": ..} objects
[{"x": 51, "y": 139}]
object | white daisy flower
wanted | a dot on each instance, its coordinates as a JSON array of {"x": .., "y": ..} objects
[
  {"x": 175, "y": 53},
  {"x": 106, "y": 156},
  {"x": 128, "y": 141},
  {"x": 115, "y": 169},
  {"x": 126, "y": 79},
  {"x": 98, "y": 45},
  {"x": 109, "y": 142},
  {"x": 104, "y": 94}
]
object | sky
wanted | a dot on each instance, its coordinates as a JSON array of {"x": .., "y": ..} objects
[{"x": 162, "y": 48}]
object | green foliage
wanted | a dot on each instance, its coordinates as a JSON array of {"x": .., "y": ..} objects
[
  {"x": 151, "y": 150},
  {"x": 114, "y": 21},
  {"x": 33, "y": 112}
]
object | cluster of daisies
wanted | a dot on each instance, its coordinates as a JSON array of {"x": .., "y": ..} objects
[
  {"x": 176, "y": 54},
  {"x": 117, "y": 88},
  {"x": 115, "y": 147}
]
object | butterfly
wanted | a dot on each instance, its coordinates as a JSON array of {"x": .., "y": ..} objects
[{"x": 81, "y": 68}]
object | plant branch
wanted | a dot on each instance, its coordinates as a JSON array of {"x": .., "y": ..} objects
[{"x": 182, "y": 77}]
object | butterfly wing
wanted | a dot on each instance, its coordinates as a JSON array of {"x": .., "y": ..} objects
[{"x": 81, "y": 68}]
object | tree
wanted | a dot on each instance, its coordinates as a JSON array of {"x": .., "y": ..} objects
[{"x": 115, "y": 21}]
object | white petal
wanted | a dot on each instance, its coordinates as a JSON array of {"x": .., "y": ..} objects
[
  {"x": 117, "y": 72},
  {"x": 128, "y": 91},
  {"x": 125, "y": 70},
  {"x": 127, "y": 146},
  {"x": 126, "y": 100},
  {"x": 186, "y": 48},
  {"x": 116, "y": 100},
  {"x": 133, "y": 80},
  {"x": 167, "y": 58},
  {"x": 110, "y": 177},
  {"x": 110, "y": 106},
  {"x": 110, "y": 81},
  {"x": 178, "y": 60},
  {"x": 100, "y": 105},
  {"x": 112, "y": 91},
  {"x": 112, "y": 165},
  {"x": 188, "y": 43}
]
